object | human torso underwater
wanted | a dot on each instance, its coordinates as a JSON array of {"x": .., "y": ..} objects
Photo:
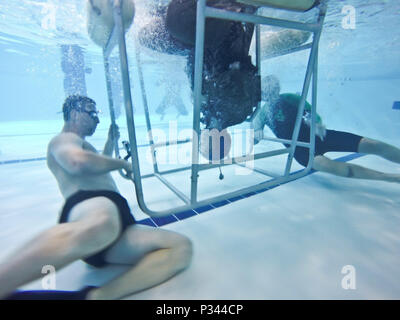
[
  {"x": 69, "y": 183},
  {"x": 281, "y": 115}
]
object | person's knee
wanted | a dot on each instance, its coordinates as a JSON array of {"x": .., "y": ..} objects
[
  {"x": 341, "y": 169},
  {"x": 367, "y": 145}
]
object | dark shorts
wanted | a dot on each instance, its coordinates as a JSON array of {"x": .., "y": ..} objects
[
  {"x": 97, "y": 260},
  {"x": 335, "y": 141}
]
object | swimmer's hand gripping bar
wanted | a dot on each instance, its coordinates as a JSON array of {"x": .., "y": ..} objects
[{"x": 123, "y": 172}]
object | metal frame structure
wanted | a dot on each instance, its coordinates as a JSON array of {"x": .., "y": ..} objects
[{"x": 203, "y": 12}]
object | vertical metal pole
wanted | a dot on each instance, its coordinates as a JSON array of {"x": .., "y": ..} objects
[
  {"x": 128, "y": 100},
  {"x": 146, "y": 107},
  {"x": 198, "y": 83},
  {"x": 258, "y": 49},
  {"x": 110, "y": 99},
  {"x": 313, "y": 112},
  {"x": 306, "y": 86},
  {"x": 258, "y": 65}
]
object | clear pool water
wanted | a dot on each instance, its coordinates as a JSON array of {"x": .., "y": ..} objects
[{"x": 289, "y": 242}]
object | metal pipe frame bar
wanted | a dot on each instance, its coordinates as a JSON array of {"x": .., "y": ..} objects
[
  {"x": 170, "y": 143},
  {"x": 311, "y": 67},
  {"x": 198, "y": 83},
  {"x": 146, "y": 108},
  {"x": 256, "y": 19},
  {"x": 119, "y": 30},
  {"x": 321, "y": 19},
  {"x": 227, "y": 196},
  {"x": 313, "y": 113},
  {"x": 282, "y": 53},
  {"x": 111, "y": 105},
  {"x": 234, "y": 161},
  {"x": 286, "y": 52},
  {"x": 296, "y": 130},
  {"x": 192, "y": 203},
  {"x": 113, "y": 40},
  {"x": 258, "y": 65},
  {"x": 172, "y": 188},
  {"x": 284, "y": 141},
  {"x": 237, "y": 160},
  {"x": 261, "y": 186},
  {"x": 258, "y": 49},
  {"x": 110, "y": 98},
  {"x": 261, "y": 171}
]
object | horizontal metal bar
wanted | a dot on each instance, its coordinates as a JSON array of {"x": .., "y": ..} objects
[
  {"x": 243, "y": 159},
  {"x": 299, "y": 143},
  {"x": 170, "y": 143},
  {"x": 167, "y": 172},
  {"x": 262, "y": 171},
  {"x": 227, "y": 196},
  {"x": 285, "y": 52},
  {"x": 172, "y": 188},
  {"x": 256, "y": 19},
  {"x": 210, "y": 166}
]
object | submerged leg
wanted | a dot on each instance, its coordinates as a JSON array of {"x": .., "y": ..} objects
[
  {"x": 379, "y": 148},
  {"x": 349, "y": 170},
  {"x": 155, "y": 256},
  {"x": 98, "y": 226}
]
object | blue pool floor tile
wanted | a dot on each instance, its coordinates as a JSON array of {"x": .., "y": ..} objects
[
  {"x": 203, "y": 209},
  {"x": 350, "y": 157},
  {"x": 262, "y": 190},
  {"x": 220, "y": 203},
  {"x": 147, "y": 222},
  {"x": 160, "y": 221},
  {"x": 249, "y": 194},
  {"x": 236, "y": 198},
  {"x": 185, "y": 214}
]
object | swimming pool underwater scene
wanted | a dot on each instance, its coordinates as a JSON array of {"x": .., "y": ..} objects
[{"x": 313, "y": 236}]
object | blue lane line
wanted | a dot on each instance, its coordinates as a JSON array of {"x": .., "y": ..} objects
[
  {"x": 22, "y": 160},
  {"x": 350, "y": 157}
]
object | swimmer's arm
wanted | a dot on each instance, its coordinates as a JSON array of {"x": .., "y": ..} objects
[
  {"x": 112, "y": 138},
  {"x": 70, "y": 155},
  {"x": 108, "y": 148}
]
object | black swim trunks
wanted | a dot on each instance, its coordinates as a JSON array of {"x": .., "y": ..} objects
[
  {"x": 334, "y": 141},
  {"x": 281, "y": 119},
  {"x": 127, "y": 219}
]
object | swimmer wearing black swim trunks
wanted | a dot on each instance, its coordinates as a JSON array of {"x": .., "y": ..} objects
[
  {"x": 96, "y": 224},
  {"x": 279, "y": 113},
  {"x": 281, "y": 118},
  {"x": 125, "y": 215}
]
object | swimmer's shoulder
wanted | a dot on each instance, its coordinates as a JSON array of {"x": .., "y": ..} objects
[{"x": 65, "y": 138}]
